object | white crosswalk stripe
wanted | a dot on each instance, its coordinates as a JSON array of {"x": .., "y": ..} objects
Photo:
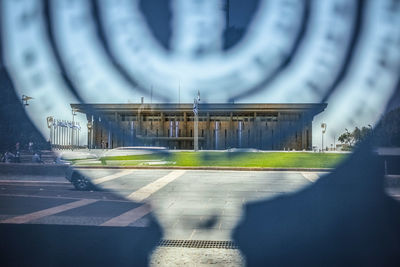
[
  {"x": 143, "y": 193},
  {"x": 111, "y": 177},
  {"x": 129, "y": 217},
  {"x": 124, "y": 219},
  {"x": 47, "y": 212},
  {"x": 140, "y": 195},
  {"x": 311, "y": 176}
]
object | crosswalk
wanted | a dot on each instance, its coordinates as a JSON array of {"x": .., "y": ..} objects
[
  {"x": 111, "y": 177},
  {"x": 126, "y": 218},
  {"x": 129, "y": 217},
  {"x": 146, "y": 191},
  {"x": 310, "y": 176},
  {"x": 48, "y": 212}
]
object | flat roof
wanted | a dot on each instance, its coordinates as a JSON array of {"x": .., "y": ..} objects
[{"x": 209, "y": 107}]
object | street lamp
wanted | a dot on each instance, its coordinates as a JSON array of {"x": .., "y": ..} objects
[
  {"x": 323, "y": 126},
  {"x": 73, "y": 128},
  {"x": 90, "y": 126},
  {"x": 50, "y": 122},
  {"x": 25, "y": 99},
  {"x": 196, "y": 120}
]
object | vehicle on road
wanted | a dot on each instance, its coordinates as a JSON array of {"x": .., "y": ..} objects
[
  {"x": 82, "y": 182},
  {"x": 79, "y": 181}
]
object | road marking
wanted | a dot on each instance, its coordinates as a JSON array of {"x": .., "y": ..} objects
[
  {"x": 143, "y": 193},
  {"x": 311, "y": 176},
  {"x": 47, "y": 212},
  {"x": 129, "y": 217},
  {"x": 61, "y": 197},
  {"x": 30, "y": 181},
  {"x": 194, "y": 231},
  {"x": 111, "y": 177}
]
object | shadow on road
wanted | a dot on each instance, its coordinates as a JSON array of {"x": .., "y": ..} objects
[
  {"x": 74, "y": 245},
  {"x": 345, "y": 218}
]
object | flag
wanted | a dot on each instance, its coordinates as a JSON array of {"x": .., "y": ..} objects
[
  {"x": 196, "y": 104},
  {"x": 195, "y": 108}
]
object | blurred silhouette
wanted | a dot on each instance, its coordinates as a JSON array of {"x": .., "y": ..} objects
[{"x": 344, "y": 219}]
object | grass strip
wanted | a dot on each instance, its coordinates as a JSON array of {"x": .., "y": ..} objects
[{"x": 231, "y": 159}]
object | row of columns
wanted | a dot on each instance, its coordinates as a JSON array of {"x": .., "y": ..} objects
[{"x": 212, "y": 137}]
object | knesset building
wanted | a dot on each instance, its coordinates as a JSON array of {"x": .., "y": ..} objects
[{"x": 220, "y": 126}]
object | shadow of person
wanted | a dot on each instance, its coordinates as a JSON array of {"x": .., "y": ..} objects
[
  {"x": 345, "y": 218},
  {"x": 77, "y": 245}
]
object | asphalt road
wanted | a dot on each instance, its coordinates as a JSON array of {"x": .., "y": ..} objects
[
  {"x": 188, "y": 204},
  {"x": 200, "y": 205}
]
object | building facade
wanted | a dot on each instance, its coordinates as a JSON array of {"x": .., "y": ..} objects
[{"x": 220, "y": 126}]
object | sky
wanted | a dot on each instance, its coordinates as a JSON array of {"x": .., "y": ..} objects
[{"x": 168, "y": 45}]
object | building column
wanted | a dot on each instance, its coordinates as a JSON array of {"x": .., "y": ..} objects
[
  {"x": 115, "y": 137},
  {"x": 185, "y": 130},
  {"x": 162, "y": 119},
  {"x": 254, "y": 134},
  {"x": 162, "y": 131},
  {"x": 230, "y": 132},
  {"x": 277, "y": 133},
  {"x": 209, "y": 132},
  {"x": 95, "y": 126},
  {"x": 309, "y": 128},
  {"x": 139, "y": 122},
  {"x": 303, "y": 133}
]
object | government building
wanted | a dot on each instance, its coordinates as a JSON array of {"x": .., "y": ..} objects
[{"x": 220, "y": 126}]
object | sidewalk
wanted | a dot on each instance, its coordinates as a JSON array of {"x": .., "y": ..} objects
[{"x": 204, "y": 168}]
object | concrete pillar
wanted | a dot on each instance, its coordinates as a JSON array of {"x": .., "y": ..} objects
[
  {"x": 254, "y": 136},
  {"x": 303, "y": 133},
  {"x": 139, "y": 122},
  {"x": 185, "y": 130},
  {"x": 209, "y": 132},
  {"x": 162, "y": 118},
  {"x": 116, "y": 136},
  {"x": 161, "y": 129},
  {"x": 95, "y": 132},
  {"x": 231, "y": 131}
]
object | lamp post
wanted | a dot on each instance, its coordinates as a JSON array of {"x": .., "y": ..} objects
[
  {"x": 25, "y": 100},
  {"x": 50, "y": 121},
  {"x": 371, "y": 133},
  {"x": 196, "y": 121},
  {"x": 73, "y": 128},
  {"x": 89, "y": 126},
  {"x": 323, "y": 126}
]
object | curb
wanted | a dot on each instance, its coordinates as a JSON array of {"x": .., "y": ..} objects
[
  {"x": 33, "y": 169},
  {"x": 205, "y": 168}
]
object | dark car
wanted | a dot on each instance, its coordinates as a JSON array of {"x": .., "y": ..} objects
[{"x": 79, "y": 181}]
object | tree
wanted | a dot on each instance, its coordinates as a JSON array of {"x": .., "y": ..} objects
[
  {"x": 356, "y": 135},
  {"x": 347, "y": 139},
  {"x": 351, "y": 139}
]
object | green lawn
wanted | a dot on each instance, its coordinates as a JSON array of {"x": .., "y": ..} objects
[{"x": 230, "y": 159}]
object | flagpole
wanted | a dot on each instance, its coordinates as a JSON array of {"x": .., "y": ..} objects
[
  {"x": 196, "y": 132},
  {"x": 196, "y": 121}
]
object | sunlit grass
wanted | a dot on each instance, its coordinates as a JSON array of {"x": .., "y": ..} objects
[{"x": 230, "y": 159}]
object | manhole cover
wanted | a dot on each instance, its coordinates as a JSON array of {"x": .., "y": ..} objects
[{"x": 198, "y": 244}]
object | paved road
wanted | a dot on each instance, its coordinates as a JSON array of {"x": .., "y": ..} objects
[
  {"x": 188, "y": 204},
  {"x": 201, "y": 205}
]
